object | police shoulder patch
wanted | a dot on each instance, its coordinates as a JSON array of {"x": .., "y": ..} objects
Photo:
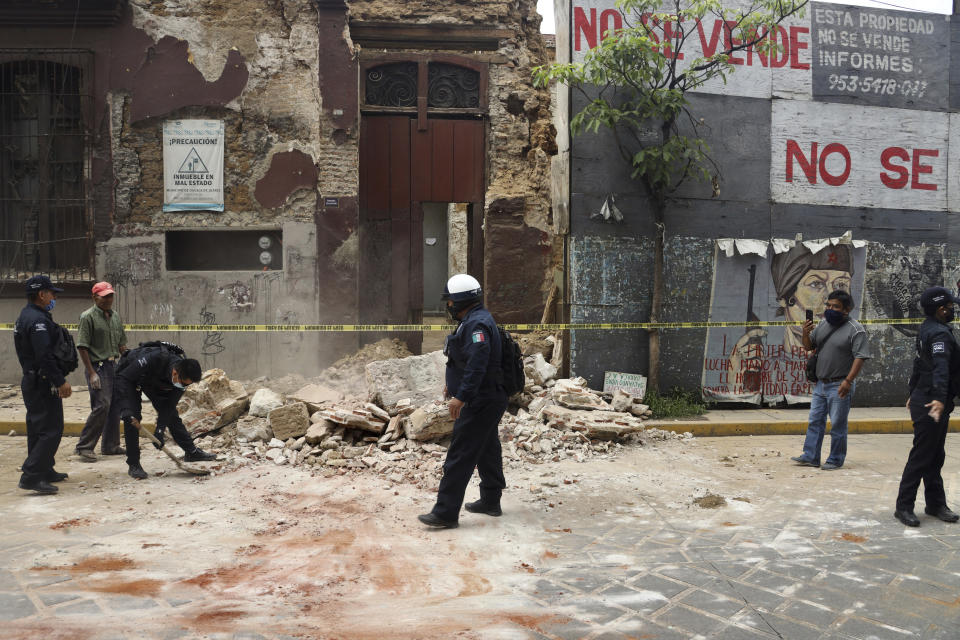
[
  {"x": 478, "y": 336},
  {"x": 40, "y": 326},
  {"x": 938, "y": 347}
]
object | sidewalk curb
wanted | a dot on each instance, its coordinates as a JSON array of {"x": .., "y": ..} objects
[
  {"x": 703, "y": 428},
  {"x": 69, "y": 428}
]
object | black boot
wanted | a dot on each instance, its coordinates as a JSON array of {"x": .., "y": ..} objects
[
  {"x": 40, "y": 486},
  {"x": 136, "y": 471},
  {"x": 199, "y": 455}
]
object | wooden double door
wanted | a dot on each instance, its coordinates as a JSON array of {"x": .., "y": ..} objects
[{"x": 402, "y": 166}]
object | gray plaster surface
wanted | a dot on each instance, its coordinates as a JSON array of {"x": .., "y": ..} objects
[{"x": 611, "y": 548}]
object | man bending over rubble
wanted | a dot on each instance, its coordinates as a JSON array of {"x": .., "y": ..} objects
[
  {"x": 161, "y": 372},
  {"x": 477, "y": 401}
]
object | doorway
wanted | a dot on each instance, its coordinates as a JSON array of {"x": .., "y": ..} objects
[
  {"x": 445, "y": 249},
  {"x": 410, "y": 177}
]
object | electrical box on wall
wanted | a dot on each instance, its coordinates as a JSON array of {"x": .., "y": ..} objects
[{"x": 241, "y": 250}]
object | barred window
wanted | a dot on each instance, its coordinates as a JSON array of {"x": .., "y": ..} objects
[{"x": 45, "y": 208}]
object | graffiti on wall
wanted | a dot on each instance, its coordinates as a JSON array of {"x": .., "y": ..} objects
[
  {"x": 897, "y": 276},
  {"x": 772, "y": 282}
]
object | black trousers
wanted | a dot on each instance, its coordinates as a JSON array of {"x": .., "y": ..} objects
[
  {"x": 926, "y": 456},
  {"x": 167, "y": 418},
  {"x": 44, "y": 427},
  {"x": 475, "y": 445}
]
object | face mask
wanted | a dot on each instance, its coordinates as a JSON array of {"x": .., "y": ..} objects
[
  {"x": 452, "y": 311},
  {"x": 178, "y": 385},
  {"x": 50, "y": 306},
  {"x": 834, "y": 317}
]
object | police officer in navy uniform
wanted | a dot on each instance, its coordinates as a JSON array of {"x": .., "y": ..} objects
[
  {"x": 933, "y": 384},
  {"x": 161, "y": 372},
  {"x": 477, "y": 401},
  {"x": 43, "y": 385}
]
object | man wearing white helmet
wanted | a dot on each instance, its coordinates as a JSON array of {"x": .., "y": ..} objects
[{"x": 477, "y": 402}]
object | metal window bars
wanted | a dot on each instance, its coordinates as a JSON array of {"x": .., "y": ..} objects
[{"x": 45, "y": 159}]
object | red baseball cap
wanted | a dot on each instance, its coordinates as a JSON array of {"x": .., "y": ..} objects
[{"x": 102, "y": 289}]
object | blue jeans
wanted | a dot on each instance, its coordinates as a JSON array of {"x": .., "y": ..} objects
[{"x": 826, "y": 401}]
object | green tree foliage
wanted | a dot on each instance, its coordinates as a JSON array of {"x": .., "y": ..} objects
[{"x": 635, "y": 85}]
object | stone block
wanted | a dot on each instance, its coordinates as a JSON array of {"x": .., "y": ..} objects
[
  {"x": 622, "y": 401},
  {"x": 419, "y": 378},
  {"x": 290, "y": 421},
  {"x": 582, "y": 400},
  {"x": 319, "y": 430},
  {"x": 212, "y": 402},
  {"x": 538, "y": 370},
  {"x": 354, "y": 418},
  {"x": 263, "y": 402},
  {"x": 253, "y": 430},
  {"x": 316, "y": 397},
  {"x": 429, "y": 422}
]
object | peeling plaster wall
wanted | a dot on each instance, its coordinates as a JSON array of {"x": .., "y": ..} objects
[{"x": 283, "y": 77}]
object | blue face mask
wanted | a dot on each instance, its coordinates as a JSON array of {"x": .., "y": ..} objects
[
  {"x": 834, "y": 317},
  {"x": 52, "y": 304},
  {"x": 178, "y": 385}
]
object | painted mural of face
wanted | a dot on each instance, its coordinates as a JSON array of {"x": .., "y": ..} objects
[{"x": 812, "y": 292}]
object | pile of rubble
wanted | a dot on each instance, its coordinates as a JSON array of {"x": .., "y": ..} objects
[{"x": 401, "y": 427}]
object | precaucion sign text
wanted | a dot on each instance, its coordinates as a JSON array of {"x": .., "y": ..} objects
[{"x": 193, "y": 165}]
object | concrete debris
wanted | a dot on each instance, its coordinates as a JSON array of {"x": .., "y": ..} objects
[
  {"x": 212, "y": 402},
  {"x": 430, "y": 422},
  {"x": 289, "y": 421},
  {"x": 417, "y": 378},
  {"x": 363, "y": 419},
  {"x": 252, "y": 429},
  {"x": 264, "y": 401},
  {"x": 316, "y": 397},
  {"x": 622, "y": 401},
  {"x": 400, "y": 430},
  {"x": 599, "y": 425},
  {"x": 538, "y": 370}
]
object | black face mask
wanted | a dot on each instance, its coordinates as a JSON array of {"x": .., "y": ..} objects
[{"x": 834, "y": 317}]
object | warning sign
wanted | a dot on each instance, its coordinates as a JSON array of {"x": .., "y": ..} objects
[{"x": 193, "y": 165}]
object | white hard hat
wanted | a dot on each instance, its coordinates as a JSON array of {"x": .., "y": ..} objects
[{"x": 462, "y": 287}]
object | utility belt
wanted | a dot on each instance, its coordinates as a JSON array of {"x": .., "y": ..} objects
[{"x": 99, "y": 363}]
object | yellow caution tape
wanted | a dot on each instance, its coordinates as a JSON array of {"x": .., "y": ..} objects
[{"x": 348, "y": 328}]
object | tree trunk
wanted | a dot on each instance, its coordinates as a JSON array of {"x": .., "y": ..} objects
[{"x": 656, "y": 302}]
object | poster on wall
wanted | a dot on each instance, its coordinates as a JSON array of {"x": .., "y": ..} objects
[
  {"x": 193, "y": 165},
  {"x": 755, "y": 280}
]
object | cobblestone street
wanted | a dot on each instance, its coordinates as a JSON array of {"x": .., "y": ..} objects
[{"x": 604, "y": 549}]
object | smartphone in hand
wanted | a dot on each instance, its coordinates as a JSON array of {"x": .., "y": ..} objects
[{"x": 809, "y": 315}]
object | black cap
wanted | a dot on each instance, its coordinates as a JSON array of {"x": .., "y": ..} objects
[
  {"x": 39, "y": 283},
  {"x": 934, "y": 298}
]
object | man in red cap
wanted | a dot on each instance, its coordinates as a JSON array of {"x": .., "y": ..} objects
[{"x": 100, "y": 341}]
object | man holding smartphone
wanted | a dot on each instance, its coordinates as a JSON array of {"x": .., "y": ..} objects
[{"x": 842, "y": 348}]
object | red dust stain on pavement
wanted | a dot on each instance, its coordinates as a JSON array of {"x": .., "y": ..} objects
[
  {"x": 550, "y": 554},
  {"x": 557, "y": 530},
  {"x": 849, "y": 537},
  {"x": 94, "y": 564},
  {"x": 75, "y": 522},
  {"x": 44, "y": 631},
  {"x": 143, "y": 588},
  {"x": 473, "y": 585},
  {"x": 730, "y": 524},
  {"x": 216, "y": 619},
  {"x": 535, "y": 623}
]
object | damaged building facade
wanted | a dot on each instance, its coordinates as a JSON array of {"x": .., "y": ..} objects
[
  {"x": 368, "y": 148},
  {"x": 835, "y": 161}
]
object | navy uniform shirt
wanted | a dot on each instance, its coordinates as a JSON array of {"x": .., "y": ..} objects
[
  {"x": 34, "y": 336},
  {"x": 148, "y": 369},
  {"x": 936, "y": 367},
  {"x": 473, "y": 356}
]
